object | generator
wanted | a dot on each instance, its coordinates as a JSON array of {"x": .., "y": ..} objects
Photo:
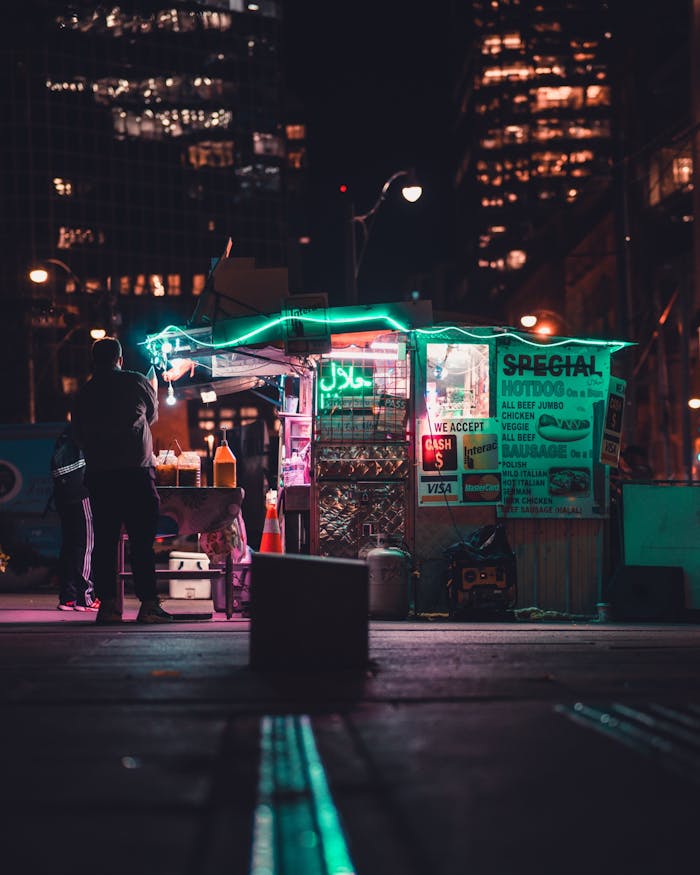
[{"x": 481, "y": 574}]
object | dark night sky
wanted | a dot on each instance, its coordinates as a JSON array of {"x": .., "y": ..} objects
[{"x": 373, "y": 78}]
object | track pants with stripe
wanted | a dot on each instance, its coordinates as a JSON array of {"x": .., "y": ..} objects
[{"x": 75, "y": 558}]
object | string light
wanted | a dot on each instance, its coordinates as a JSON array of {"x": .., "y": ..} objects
[{"x": 158, "y": 343}]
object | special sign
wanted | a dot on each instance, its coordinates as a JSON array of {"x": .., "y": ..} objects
[
  {"x": 459, "y": 462},
  {"x": 545, "y": 406}
]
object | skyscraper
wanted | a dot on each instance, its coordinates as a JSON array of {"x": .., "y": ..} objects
[
  {"x": 138, "y": 138},
  {"x": 534, "y": 132}
]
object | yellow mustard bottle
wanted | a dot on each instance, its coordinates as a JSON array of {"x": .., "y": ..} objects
[{"x": 224, "y": 464}]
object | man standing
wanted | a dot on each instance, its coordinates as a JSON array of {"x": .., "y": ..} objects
[{"x": 112, "y": 416}]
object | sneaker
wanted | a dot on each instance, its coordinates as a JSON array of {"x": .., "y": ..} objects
[
  {"x": 67, "y": 606},
  {"x": 107, "y": 613},
  {"x": 94, "y": 606},
  {"x": 151, "y": 612}
]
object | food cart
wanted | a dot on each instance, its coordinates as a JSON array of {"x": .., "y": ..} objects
[{"x": 402, "y": 431}]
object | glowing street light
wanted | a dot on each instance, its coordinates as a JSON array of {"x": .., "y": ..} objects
[
  {"x": 544, "y": 322},
  {"x": 62, "y": 315},
  {"x": 39, "y": 275},
  {"x": 411, "y": 191}
]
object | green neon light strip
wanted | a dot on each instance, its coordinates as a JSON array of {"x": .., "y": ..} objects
[
  {"x": 168, "y": 332},
  {"x": 618, "y": 344},
  {"x": 296, "y": 827},
  {"x": 239, "y": 341},
  {"x": 263, "y": 854},
  {"x": 335, "y": 850}
]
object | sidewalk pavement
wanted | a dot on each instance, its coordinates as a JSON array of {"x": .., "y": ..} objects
[
  {"x": 42, "y": 607},
  {"x": 488, "y": 748}
]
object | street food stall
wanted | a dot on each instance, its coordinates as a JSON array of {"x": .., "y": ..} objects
[{"x": 401, "y": 433}]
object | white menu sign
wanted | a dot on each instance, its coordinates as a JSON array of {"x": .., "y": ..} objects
[{"x": 545, "y": 406}]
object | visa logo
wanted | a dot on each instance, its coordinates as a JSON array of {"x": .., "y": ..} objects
[{"x": 439, "y": 488}]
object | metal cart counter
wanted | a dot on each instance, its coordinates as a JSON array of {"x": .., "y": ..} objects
[{"x": 189, "y": 510}]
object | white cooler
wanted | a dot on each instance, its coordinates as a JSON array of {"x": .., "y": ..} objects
[{"x": 189, "y": 589}]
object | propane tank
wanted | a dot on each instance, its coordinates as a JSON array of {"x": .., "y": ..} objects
[{"x": 388, "y": 582}]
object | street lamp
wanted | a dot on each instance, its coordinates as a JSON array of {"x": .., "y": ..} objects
[
  {"x": 544, "y": 322},
  {"x": 72, "y": 311},
  {"x": 411, "y": 191},
  {"x": 40, "y": 275}
]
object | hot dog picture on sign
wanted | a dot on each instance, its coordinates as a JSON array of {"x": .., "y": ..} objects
[{"x": 545, "y": 407}]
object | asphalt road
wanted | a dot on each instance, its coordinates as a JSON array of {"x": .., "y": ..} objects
[{"x": 485, "y": 749}]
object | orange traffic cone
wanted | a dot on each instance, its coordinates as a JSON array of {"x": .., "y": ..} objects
[{"x": 271, "y": 541}]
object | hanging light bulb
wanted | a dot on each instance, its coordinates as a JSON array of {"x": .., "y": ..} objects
[{"x": 171, "y": 399}]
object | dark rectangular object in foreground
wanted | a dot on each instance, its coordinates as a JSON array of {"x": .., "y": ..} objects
[
  {"x": 647, "y": 592},
  {"x": 309, "y": 612}
]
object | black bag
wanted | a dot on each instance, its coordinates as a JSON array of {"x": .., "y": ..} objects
[
  {"x": 67, "y": 469},
  {"x": 481, "y": 573}
]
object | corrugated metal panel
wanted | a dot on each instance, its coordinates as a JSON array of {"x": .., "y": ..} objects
[
  {"x": 559, "y": 563},
  {"x": 437, "y": 528}
]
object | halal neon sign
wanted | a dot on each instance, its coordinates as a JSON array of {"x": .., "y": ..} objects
[{"x": 339, "y": 380}]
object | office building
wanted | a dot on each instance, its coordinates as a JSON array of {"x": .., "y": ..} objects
[
  {"x": 137, "y": 139},
  {"x": 534, "y": 133}
]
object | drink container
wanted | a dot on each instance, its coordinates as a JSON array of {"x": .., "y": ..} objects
[
  {"x": 189, "y": 469},
  {"x": 224, "y": 464}
]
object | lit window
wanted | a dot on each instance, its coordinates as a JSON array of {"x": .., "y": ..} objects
[
  {"x": 296, "y": 132},
  {"x": 515, "y": 133},
  {"x": 174, "y": 284},
  {"x": 513, "y": 72},
  {"x": 492, "y": 140},
  {"x": 70, "y": 237},
  {"x": 493, "y": 44},
  {"x": 561, "y": 95},
  {"x": 516, "y": 259},
  {"x": 63, "y": 187},
  {"x": 210, "y": 153},
  {"x": 683, "y": 170},
  {"x": 155, "y": 282},
  {"x": 512, "y": 41},
  {"x": 670, "y": 171},
  {"x": 198, "y": 282},
  {"x": 581, "y": 157},
  {"x": 548, "y": 129},
  {"x": 168, "y": 124},
  {"x": 296, "y": 159},
  {"x": 598, "y": 95},
  {"x": 549, "y": 163},
  {"x": 268, "y": 144}
]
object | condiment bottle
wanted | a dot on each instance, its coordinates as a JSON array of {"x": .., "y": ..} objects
[{"x": 224, "y": 464}]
